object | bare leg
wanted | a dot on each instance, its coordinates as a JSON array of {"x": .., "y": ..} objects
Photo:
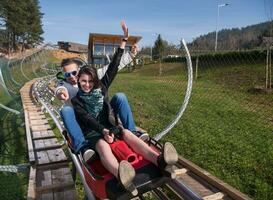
[
  {"x": 139, "y": 146},
  {"x": 122, "y": 171},
  {"x": 108, "y": 159}
]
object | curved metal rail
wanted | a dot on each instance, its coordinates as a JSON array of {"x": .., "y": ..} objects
[
  {"x": 192, "y": 183},
  {"x": 55, "y": 116},
  {"x": 186, "y": 98}
]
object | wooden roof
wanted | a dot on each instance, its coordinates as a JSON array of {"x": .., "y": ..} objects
[{"x": 109, "y": 38}]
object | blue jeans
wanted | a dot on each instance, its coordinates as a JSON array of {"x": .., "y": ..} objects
[
  {"x": 121, "y": 107},
  {"x": 73, "y": 128}
]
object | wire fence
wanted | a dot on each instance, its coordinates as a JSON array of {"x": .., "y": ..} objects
[
  {"x": 227, "y": 128},
  {"x": 14, "y": 169}
]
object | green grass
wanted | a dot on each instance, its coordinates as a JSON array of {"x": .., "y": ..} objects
[
  {"x": 225, "y": 129},
  {"x": 13, "y": 151},
  {"x": 13, "y": 147}
]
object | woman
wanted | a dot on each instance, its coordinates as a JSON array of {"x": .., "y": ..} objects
[{"x": 98, "y": 123}]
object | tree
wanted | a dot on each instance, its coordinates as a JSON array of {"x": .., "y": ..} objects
[
  {"x": 233, "y": 39},
  {"x": 158, "y": 51},
  {"x": 159, "y": 48},
  {"x": 15, "y": 21},
  {"x": 181, "y": 45},
  {"x": 22, "y": 23},
  {"x": 145, "y": 51},
  {"x": 34, "y": 24}
]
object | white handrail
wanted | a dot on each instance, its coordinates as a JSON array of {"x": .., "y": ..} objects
[{"x": 186, "y": 99}]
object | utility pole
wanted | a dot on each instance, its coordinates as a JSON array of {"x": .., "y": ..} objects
[{"x": 217, "y": 24}]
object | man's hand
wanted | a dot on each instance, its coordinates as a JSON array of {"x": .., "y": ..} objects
[
  {"x": 134, "y": 50},
  {"x": 63, "y": 95}
]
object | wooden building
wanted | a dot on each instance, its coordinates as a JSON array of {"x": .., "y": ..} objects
[
  {"x": 73, "y": 47},
  {"x": 102, "y": 45}
]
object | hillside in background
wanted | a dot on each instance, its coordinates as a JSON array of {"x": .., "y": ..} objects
[{"x": 234, "y": 39}]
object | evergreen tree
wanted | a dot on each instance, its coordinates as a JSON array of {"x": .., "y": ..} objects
[
  {"x": 158, "y": 48},
  {"x": 15, "y": 21},
  {"x": 181, "y": 46},
  {"x": 34, "y": 24},
  {"x": 22, "y": 22}
]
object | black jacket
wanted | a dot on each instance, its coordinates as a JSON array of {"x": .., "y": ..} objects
[{"x": 85, "y": 120}]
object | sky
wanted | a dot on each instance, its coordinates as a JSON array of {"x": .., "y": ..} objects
[{"x": 71, "y": 20}]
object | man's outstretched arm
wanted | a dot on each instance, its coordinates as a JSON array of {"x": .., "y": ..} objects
[{"x": 126, "y": 59}]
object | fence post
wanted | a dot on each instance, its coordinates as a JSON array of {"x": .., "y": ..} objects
[
  {"x": 269, "y": 73},
  {"x": 196, "y": 67},
  {"x": 266, "y": 69},
  {"x": 160, "y": 67}
]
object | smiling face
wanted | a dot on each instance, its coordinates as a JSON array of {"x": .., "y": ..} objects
[{"x": 86, "y": 82}]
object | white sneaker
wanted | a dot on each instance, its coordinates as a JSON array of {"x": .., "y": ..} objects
[
  {"x": 170, "y": 154},
  {"x": 126, "y": 175},
  {"x": 144, "y": 137},
  {"x": 87, "y": 154},
  {"x": 141, "y": 135}
]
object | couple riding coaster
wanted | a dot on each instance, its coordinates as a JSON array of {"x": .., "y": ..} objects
[{"x": 147, "y": 176}]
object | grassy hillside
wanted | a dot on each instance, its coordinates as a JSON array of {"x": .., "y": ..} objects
[
  {"x": 248, "y": 37},
  {"x": 225, "y": 129},
  {"x": 13, "y": 147}
]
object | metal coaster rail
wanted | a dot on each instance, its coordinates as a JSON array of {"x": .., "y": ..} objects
[{"x": 192, "y": 182}]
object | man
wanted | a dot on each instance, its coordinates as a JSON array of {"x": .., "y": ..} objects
[{"x": 67, "y": 89}]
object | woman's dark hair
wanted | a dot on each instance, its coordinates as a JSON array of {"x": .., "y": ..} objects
[{"x": 92, "y": 71}]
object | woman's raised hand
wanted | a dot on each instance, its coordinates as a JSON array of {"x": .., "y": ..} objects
[{"x": 125, "y": 29}]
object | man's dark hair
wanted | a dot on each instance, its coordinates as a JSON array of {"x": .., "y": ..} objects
[
  {"x": 92, "y": 71},
  {"x": 68, "y": 61}
]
